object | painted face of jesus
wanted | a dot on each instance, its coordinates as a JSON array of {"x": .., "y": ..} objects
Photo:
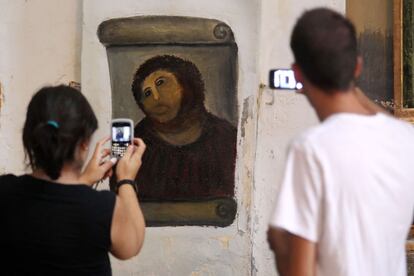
[{"x": 161, "y": 96}]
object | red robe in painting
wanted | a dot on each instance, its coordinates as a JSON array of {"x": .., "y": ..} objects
[{"x": 203, "y": 169}]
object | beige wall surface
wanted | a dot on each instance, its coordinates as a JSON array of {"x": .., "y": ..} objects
[{"x": 40, "y": 44}]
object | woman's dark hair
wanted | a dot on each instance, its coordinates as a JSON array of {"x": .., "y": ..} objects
[
  {"x": 186, "y": 73},
  {"x": 58, "y": 119},
  {"x": 325, "y": 47}
]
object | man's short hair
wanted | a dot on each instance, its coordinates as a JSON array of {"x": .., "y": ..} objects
[{"x": 325, "y": 48}]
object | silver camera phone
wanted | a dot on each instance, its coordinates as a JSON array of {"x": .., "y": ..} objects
[{"x": 122, "y": 134}]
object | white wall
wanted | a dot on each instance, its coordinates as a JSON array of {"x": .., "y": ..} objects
[
  {"x": 40, "y": 43},
  {"x": 186, "y": 250}
]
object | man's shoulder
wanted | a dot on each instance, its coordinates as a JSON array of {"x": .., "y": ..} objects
[
  {"x": 324, "y": 135},
  {"x": 349, "y": 130},
  {"x": 310, "y": 136},
  {"x": 399, "y": 124}
]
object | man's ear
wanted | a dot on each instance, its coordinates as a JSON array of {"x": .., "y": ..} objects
[
  {"x": 298, "y": 72},
  {"x": 358, "y": 67}
]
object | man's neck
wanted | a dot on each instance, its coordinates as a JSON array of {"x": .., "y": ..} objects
[{"x": 347, "y": 101}]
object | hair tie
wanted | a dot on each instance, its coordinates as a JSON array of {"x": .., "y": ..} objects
[{"x": 53, "y": 124}]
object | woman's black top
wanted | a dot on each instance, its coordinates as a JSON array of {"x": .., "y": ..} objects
[{"x": 53, "y": 229}]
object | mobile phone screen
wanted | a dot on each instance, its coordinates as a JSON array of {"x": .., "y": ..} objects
[
  {"x": 121, "y": 138},
  {"x": 121, "y": 134},
  {"x": 283, "y": 79}
]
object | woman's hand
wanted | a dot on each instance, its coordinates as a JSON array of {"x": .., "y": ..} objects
[
  {"x": 128, "y": 224},
  {"x": 130, "y": 163},
  {"x": 98, "y": 169}
]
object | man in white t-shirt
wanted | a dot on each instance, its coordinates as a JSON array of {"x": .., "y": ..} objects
[{"x": 346, "y": 201}]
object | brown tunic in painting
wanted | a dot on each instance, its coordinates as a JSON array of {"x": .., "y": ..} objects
[{"x": 203, "y": 169}]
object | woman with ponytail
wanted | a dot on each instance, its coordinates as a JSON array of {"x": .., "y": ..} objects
[{"x": 52, "y": 221}]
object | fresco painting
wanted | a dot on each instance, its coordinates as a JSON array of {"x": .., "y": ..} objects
[{"x": 180, "y": 88}]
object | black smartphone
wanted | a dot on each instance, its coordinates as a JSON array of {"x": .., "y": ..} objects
[
  {"x": 283, "y": 79},
  {"x": 122, "y": 134}
]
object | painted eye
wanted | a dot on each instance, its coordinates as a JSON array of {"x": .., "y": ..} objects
[
  {"x": 147, "y": 93},
  {"x": 159, "y": 81}
]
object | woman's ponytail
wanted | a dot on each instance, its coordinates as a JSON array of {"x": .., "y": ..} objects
[{"x": 58, "y": 119}]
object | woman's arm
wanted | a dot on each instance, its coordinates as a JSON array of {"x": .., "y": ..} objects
[{"x": 128, "y": 225}]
